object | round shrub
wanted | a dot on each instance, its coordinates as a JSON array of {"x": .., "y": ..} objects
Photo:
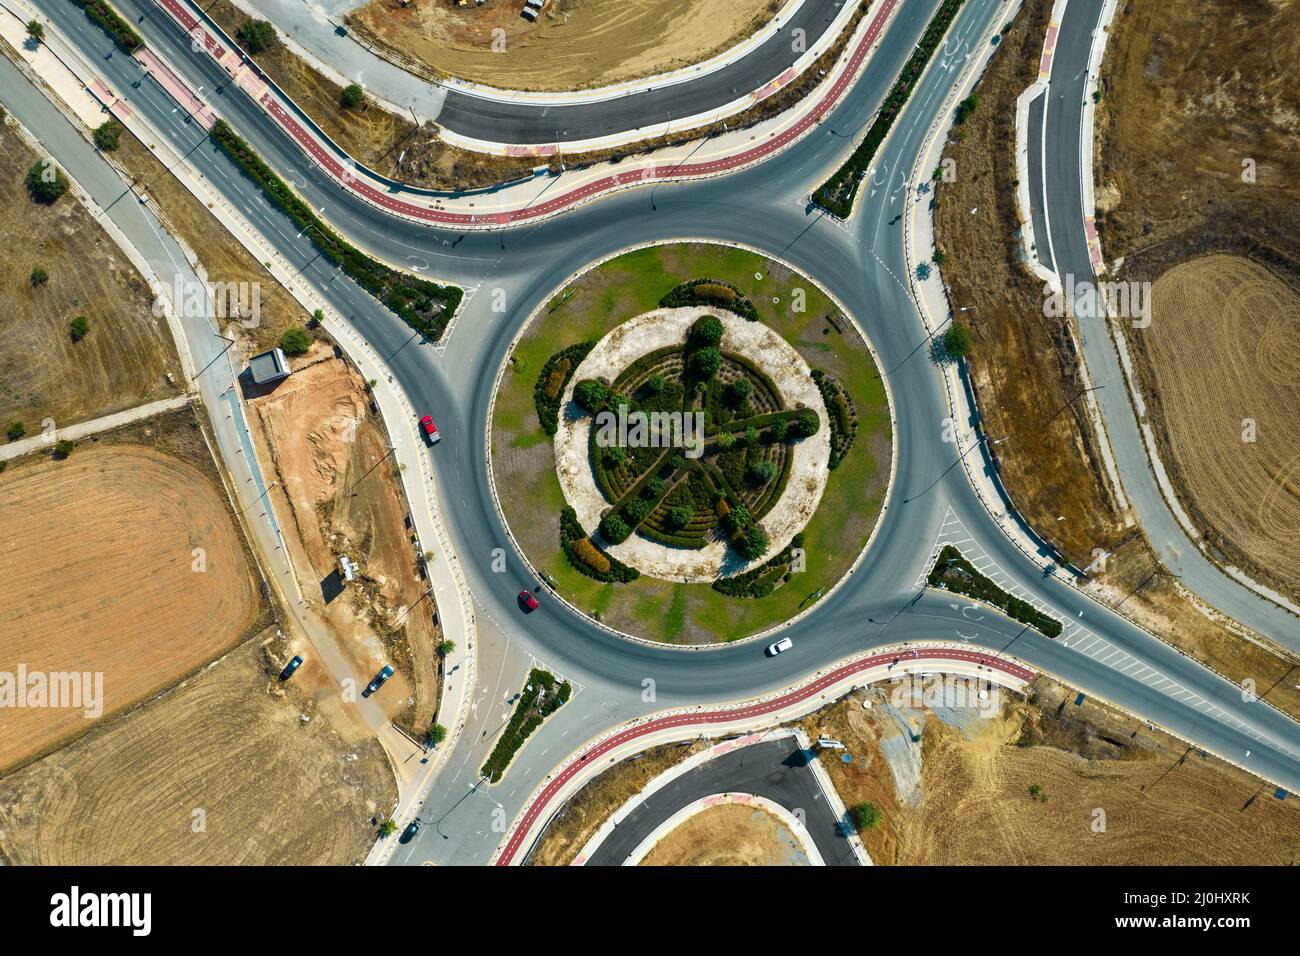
[
  {"x": 614, "y": 529},
  {"x": 753, "y": 544},
  {"x": 591, "y": 394},
  {"x": 705, "y": 363},
  {"x": 761, "y": 472},
  {"x": 295, "y": 341},
  {"x": 706, "y": 331}
]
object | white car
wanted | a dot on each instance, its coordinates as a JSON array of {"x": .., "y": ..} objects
[{"x": 784, "y": 644}]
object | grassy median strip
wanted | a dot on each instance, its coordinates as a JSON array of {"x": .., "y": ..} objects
[
  {"x": 836, "y": 195},
  {"x": 541, "y": 697},
  {"x": 425, "y": 306},
  {"x": 955, "y": 573},
  {"x": 111, "y": 21}
]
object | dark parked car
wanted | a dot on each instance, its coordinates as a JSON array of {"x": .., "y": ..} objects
[
  {"x": 380, "y": 679},
  {"x": 409, "y": 833},
  {"x": 291, "y": 667}
]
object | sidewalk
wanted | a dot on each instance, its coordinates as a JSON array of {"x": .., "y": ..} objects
[{"x": 84, "y": 429}]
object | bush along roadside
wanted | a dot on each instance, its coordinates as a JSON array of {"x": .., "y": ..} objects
[
  {"x": 767, "y": 577},
  {"x": 425, "y": 306},
  {"x": 955, "y": 573},
  {"x": 123, "y": 33},
  {"x": 551, "y": 381},
  {"x": 836, "y": 195},
  {"x": 586, "y": 557},
  {"x": 541, "y": 697}
]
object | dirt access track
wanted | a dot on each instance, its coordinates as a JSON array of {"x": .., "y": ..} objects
[
  {"x": 124, "y": 560},
  {"x": 338, "y": 494},
  {"x": 575, "y": 44}
]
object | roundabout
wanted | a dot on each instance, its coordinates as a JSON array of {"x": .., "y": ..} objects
[{"x": 691, "y": 443}]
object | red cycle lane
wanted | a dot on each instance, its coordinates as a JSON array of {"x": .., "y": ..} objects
[
  {"x": 326, "y": 158},
  {"x": 725, "y": 716}
]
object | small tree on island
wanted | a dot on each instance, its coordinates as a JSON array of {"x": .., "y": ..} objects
[
  {"x": 295, "y": 341},
  {"x": 865, "y": 816}
]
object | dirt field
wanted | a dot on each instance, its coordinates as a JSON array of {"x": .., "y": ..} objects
[
  {"x": 1024, "y": 367},
  {"x": 1105, "y": 791},
  {"x": 339, "y": 493},
  {"x": 222, "y": 769},
  {"x": 579, "y": 819},
  {"x": 575, "y": 44},
  {"x": 1199, "y": 193},
  {"x": 99, "y": 560},
  {"x": 1244, "y": 494},
  {"x": 728, "y": 835},
  {"x": 128, "y": 357}
]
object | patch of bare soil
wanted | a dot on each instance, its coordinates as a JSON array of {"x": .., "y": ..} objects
[
  {"x": 228, "y": 768},
  {"x": 581, "y": 816},
  {"x": 1050, "y": 782},
  {"x": 574, "y": 44},
  {"x": 339, "y": 494},
  {"x": 730, "y": 834},
  {"x": 127, "y": 358},
  {"x": 1025, "y": 366}
]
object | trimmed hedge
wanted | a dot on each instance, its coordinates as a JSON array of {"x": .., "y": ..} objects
[
  {"x": 111, "y": 22},
  {"x": 843, "y": 415},
  {"x": 552, "y": 380},
  {"x": 585, "y": 557},
  {"x": 836, "y": 195},
  {"x": 528, "y": 716},
  {"x": 715, "y": 293},
  {"x": 955, "y": 573},
  {"x": 763, "y": 580},
  {"x": 425, "y": 306}
]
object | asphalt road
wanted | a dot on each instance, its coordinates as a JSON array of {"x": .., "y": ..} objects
[
  {"x": 1101, "y": 652},
  {"x": 1062, "y": 144},
  {"x": 775, "y": 769},
  {"x": 497, "y": 117}
]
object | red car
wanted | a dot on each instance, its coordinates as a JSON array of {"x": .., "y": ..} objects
[
  {"x": 430, "y": 430},
  {"x": 529, "y": 602}
]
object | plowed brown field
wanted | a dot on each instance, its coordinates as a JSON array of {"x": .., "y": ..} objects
[
  {"x": 98, "y": 564},
  {"x": 1223, "y": 354}
]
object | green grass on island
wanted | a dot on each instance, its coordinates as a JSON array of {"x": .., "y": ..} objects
[{"x": 605, "y": 297}]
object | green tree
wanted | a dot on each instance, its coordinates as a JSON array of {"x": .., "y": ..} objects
[
  {"x": 706, "y": 331},
  {"x": 46, "y": 182},
  {"x": 754, "y": 543},
  {"x": 614, "y": 456},
  {"x": 352, "y": 95},
  {"x": 805, "y": 423},
  {"x": 705, "y": 363},
  {"x": 956, "y": 341},
  {"x": 966, "y": 107},
  {"x": 388, "y": 828},
  {"x": 316, "y": 319},
  {"x": 679, "y": 516},
  {"x": 445, "y": 647},
  {"x": 761, "y": 472},
  {"x": 295, "y": 341},
  {"x": 36, "y": 30},
  {"x": 865, "y": 815},
  {"x": 739, "y": 390},
  {"x": 108, "y": 135},
  {"x": 62, "y": 448},
  {"x": 78, "y": 328},
  {"x": 39, "y": 276},
  {"x": 16, "y": 430},
  {"x": 435, "y": 734},
  {"x": 591, "y": 394},
  {"x": 939, "y": 257},
  {"x": 614, "y": 529},
  {"x": 256, "y": 35}
]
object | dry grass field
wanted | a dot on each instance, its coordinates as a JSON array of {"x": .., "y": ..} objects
[
  {"x": 220, "y": 770},
  {"x": 728, "y": 835},
  {"x": 1223, "y": 351},
  {"x": 99, "y": 564},
  {"x": 1107, "y": 791},
  {"x": 575, "y": 44},
  {"x": 126, "y": 357}
]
